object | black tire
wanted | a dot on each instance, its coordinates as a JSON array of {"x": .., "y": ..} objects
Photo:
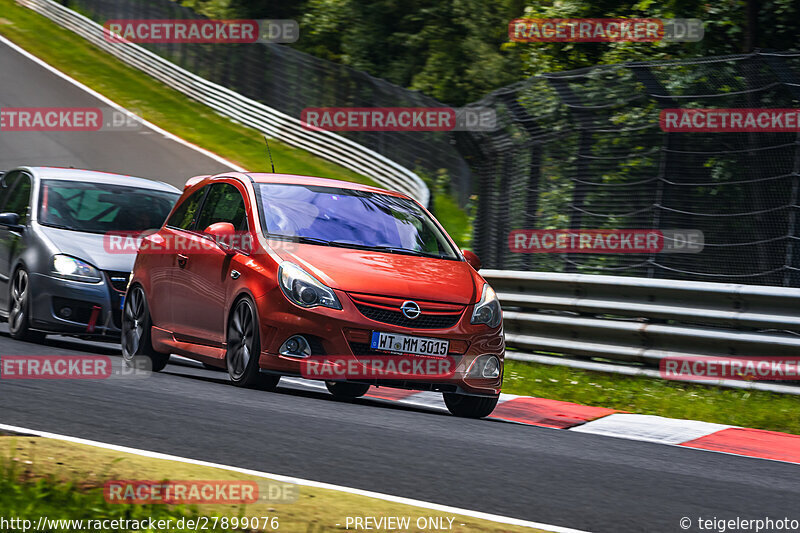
[
  {"x": 244, "y": 348},
  {"x": 136, "y": 324},
  {"x": 345, "y": 390},
  {"x": 18, "y": 309},
  {"x": 469, "y": 406}
]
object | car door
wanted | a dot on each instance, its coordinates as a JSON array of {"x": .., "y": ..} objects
[
  {"x": 15, "y": 197},
  {"x": 202, "y": 279},
  {"x": 163, "y": 261}
]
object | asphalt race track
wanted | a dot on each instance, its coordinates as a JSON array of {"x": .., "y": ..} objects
[
  {"x": 139, "y": 152},
  {"x": 563, "y": 478}
]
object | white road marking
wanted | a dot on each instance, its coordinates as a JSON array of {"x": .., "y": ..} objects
[
  {"x": 298, "y": 481},
  {"x": 118, "y": 107}
]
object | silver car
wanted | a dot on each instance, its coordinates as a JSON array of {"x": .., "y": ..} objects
[{"x": 58, "y": 273}]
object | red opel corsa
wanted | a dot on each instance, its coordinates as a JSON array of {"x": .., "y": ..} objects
[{"x": 264, "y": 273}]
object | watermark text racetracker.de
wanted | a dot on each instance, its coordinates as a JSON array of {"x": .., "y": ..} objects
[
  {"x": 201, "y": 31},
  {"x": 747, "y": 120},
  {"x": 398, "y": 119},
  {"x": 608, "y": 30},
  {"x": 606, "y": 241},
  {"x": 190, "y": 492},
  {"x": 394, "y": 367},
  {"x": 705, "y": 368},
  {"x": 79, "y": 367},
  {"x": 73, "y": 119}
]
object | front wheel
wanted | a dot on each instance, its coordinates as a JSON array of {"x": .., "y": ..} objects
[
  {"x": 244, "y": 348},
  {"x": 19, "y": 311},
  {"x": 346, "y": 391},
  {"x": 136, "y": 326},
  {"x": 469, "y": 406}
]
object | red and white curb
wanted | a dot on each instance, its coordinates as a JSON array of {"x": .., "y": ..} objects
[{"x": 556, "y": 414}]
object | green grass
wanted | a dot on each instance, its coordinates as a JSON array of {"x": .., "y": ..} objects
[
  {"x": 173, "y": 111},
  {"x": 755, "y": 409},
  {"x": 155, "y": 102},
  {"x": 57, "y": 479},
  {"x": 28, "y": 498}
]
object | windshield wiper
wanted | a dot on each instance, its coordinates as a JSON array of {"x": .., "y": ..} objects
[
  {"x": 356, "y": 245},
  {"x": 384, "y": 248},
  {"x": 297, "y": 238}
]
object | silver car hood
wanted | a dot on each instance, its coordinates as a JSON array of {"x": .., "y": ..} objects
[{"x": 90, "y": 247}]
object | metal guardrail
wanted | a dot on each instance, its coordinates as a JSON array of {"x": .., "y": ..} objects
[
  {"x": 325, "y": 144},
  {"x": 645, "y": 320}
]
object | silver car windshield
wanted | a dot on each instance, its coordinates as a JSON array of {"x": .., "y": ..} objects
[{"x": 102, "y": 207}]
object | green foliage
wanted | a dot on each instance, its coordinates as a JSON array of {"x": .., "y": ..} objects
[
  {"x": 458, "y": 51},
  {"x": 455, "y": 220}
]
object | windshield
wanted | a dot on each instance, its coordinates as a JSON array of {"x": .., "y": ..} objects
[
  {"x": 335, "y": 216},
  {"x": 101, "y": 207}
]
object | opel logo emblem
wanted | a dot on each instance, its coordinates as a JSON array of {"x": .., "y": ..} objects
[{"x": 410, "y": 309}]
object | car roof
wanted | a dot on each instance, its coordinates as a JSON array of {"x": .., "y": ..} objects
[
  {"x": 294, "y": 179},
  {"x": 95, "y": 176}
]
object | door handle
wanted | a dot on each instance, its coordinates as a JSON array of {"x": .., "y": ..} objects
[{"x": 182, "y": 260}]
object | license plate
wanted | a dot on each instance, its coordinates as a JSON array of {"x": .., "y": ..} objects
[
  {"x": 121, "y": 303},
  {"x": 394, "y": 342}
]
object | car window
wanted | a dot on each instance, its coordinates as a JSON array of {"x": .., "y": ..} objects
[
  {"x": 6, "y": 183},
  {"x": 185, "y": 214},
  {"x": 98, "y": 207},
  {"x": 224, "y": 203},
  {"x": 19, "y": 197},
  {"x": 350, "y": 217}
]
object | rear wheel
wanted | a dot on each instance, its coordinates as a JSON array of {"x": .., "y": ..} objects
[
  {"x": 19, "y": 309},
  {"x": 469, "y": 406},
  {"x": 244, "y": 348},
  {"x": 136, "y": 324},
  {"x": 346, "y": 391}
]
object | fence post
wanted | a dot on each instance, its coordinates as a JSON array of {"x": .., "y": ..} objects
[
  {"x": 584, "y": 121},
  {"x": 787, "y": 76}
]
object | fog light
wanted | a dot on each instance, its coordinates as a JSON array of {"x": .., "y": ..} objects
[
  {"x": 492, "y": 368},
  {"x": 486, "y": 367},
  {"x": 65, "y": 312},
  {"x": 295, "y": 346}
]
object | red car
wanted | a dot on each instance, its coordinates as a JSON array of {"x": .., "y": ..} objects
[{"x": 269, "y": 275}]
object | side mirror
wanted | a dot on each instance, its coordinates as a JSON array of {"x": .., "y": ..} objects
[
  {"x": 472, "y": 259},
  {"x": 11, "y": 221},
  {"x": 223, "y": 234}
]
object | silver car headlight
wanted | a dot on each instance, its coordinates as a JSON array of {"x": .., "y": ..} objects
[
  {"x": 487, "y": 310},
  {"x": 68, "y": 267},
  {"x": 303, "y": 289}
]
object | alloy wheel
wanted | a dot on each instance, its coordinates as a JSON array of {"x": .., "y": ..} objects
[
  {"x": 241, "y": 339},
  {"x": 19, "y": 301}
]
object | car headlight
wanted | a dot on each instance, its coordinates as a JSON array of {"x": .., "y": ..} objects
[
  {"x": 305, "y": 290},
  {"x": 487, "y": 311},
  {"x": 68, "y": 267}
]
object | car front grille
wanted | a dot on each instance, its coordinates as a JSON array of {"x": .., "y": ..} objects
[
  {"x": 433, "y": 315},
  {"x": 118, "y": 280},
  {"x": 397, "y": 318},
  {"x": 119, "y": 283}
]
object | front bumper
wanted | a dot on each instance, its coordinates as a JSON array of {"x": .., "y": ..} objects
[
  {"x": 95, "y": 307},
  {"x": 345, "y": 333}
]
